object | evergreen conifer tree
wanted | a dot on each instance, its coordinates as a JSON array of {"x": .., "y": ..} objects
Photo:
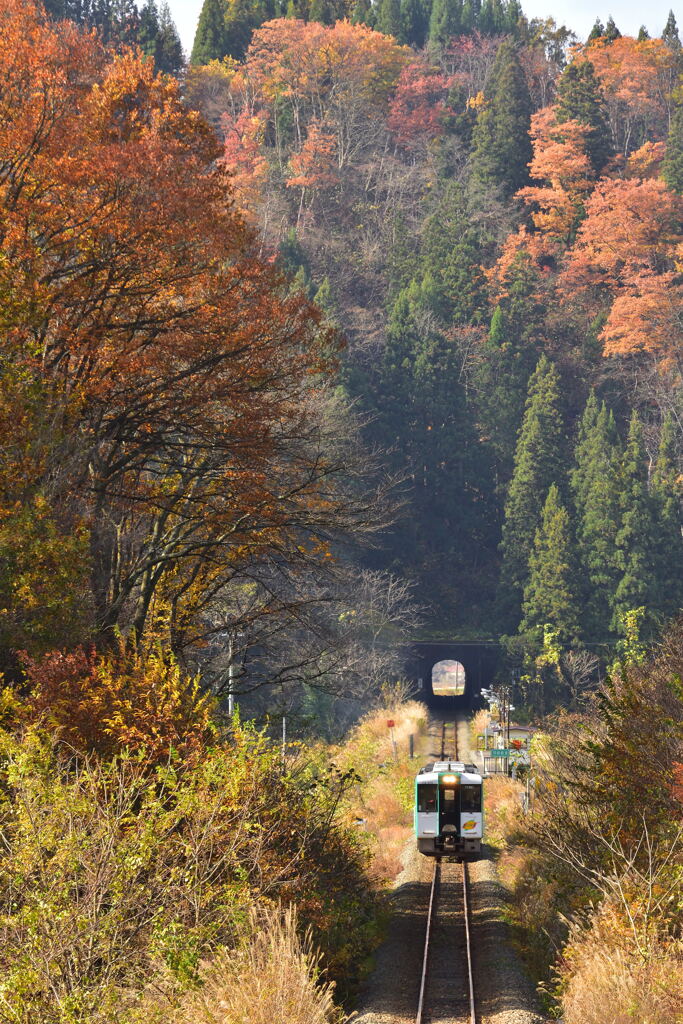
[
  {"x": 324, "y": 300},
  {"x": 501, "y": 148},
  {"x": 510, "y": 355},
  {"x": 579, "y": 98},
  {"x": 292, "y": 255},
  {"x": 413, "y": 22},
  {"x": 389, "y": 19},
  {"x": 169, "y": 49},
  {"x": 148, "y": 29},
  {"x": 421, "y": 421},
  {"x": 242, "y": 17},
  {"x": 403, "y": 257},
  {"x": 550, "y": 593},
  {"x": 500, "y": 21},
  {"x": 611, "y": 30},
  {"x": 487, "y": 21},
  {"x": 667, "y": 491},
  {"x": 514, "y": 16},
  {"x": 445, "y": 21},
  {"x": 363, "y": 12},
  {"x": 397, "y": 374},
  {"x": 595, "y": 487},
  {"x": 670, "y": 34},
  {"x": 672, "y": 167},
  {"x": 450, "y": 252},
  {"x": 210, "y": 41},
  {"x": 597, "y": 32},
  {"x": 57, "y": 9},
  {"x": 643, "y": 34},
  {"x": 321, "y": 11},
  {"x": 582, "y": 450},
  {"x": 636, "y": 543},
  {"x": 124, "y": 22},
  {"x": 538, "y": 465},
  {"x": 471, "y": 15}
]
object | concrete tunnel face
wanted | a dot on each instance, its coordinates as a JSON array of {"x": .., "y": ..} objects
[{"x": 450, "y": 675}]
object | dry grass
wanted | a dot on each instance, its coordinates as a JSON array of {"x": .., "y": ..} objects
[
  {"x": 608, "y": 983},
  {"x": 503, "y": 803},
  {"x": 271, "y": 979},
  {"x": 384, "y": 799},
  {"x": 409, "y": 717},
  {"x": 478, "y": 724},
  {"x": 387, "y": 862}
]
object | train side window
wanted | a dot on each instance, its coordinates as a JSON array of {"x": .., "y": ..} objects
[
  {"x": 470, "y": 799},
  {"x": 426, "y": 797}
]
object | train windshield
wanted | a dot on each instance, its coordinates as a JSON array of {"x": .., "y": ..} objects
[
  {"x": 426, "y": 797},
  {"x": 448, "y": 679},
  {"x": 470, "y": 799}
]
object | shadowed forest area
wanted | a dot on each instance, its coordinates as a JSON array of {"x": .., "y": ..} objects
[
  {"x": 363, "y": 326},
  {"x": 491, "y": 214}
]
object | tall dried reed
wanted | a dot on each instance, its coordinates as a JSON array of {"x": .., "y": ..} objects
[
  {"x": 384, "y": 799},
  {"x": 610, "y": 986},
  {"x": 478, "y": 723},
  {"x": 273, "y": 978}
]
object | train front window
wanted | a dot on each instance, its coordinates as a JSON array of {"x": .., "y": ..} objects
[
  {"x": 470, "y": 799},
  {"x": 426, "y": 797}
]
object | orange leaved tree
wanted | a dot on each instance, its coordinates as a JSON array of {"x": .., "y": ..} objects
[
  {"x": 124, "y": 701},
  {"x": 625, "y": 263},
  {"x": 563, "y": 169},
  {"x": 161, "y": 384},
  {"x": 637, "y": 79}
]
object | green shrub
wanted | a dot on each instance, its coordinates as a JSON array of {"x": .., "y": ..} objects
[{"x": 113, "y": 875}]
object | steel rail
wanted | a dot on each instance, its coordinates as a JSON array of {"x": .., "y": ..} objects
[
  {"x": 420, "y": 1018},
  {"x": 468, "y": 936},
  {"x": 425, "y": 958}
]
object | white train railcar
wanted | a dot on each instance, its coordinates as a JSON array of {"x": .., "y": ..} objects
[{"x": 449, "y": 810}]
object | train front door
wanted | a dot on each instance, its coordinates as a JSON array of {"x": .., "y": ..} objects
[{"x": 449, "y": 808}]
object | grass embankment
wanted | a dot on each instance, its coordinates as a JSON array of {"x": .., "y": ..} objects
[
  {"x": 219, "y": 889},
  {"x": 589, "y": 952},
  {"x": 131, "y": 892},
  {"x": 382, "y": 801}
]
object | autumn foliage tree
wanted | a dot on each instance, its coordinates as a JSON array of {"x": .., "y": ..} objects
[
  {"x": 106, "y": 704},
  {"x": 160, "y": 385},
  {"x": 637, "y": 79},
  {"x": 626, "y": 251},
  {"x": 562, "y": 164}
]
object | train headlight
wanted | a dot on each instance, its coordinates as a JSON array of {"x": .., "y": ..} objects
[{"x": 449, "y": 778}]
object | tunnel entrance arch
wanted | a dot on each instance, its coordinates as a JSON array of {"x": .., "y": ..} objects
[
  {"x": 448, "y": 678},
  {"x": 478, "y": 661}
]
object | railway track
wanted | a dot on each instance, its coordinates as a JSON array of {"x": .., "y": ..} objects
[
  {"x": 447, "y": 982},
  {"x": 445, "y": 752}
]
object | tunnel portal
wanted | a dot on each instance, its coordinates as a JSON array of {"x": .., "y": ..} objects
[{"x": 478, "y": 659}]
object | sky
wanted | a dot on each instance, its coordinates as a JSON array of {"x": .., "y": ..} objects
[{"x": 578, "y": 15}]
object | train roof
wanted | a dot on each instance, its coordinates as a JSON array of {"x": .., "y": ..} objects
[{"x": 430, "y": 772}]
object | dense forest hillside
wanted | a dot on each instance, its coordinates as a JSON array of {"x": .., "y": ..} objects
[
  {"x": 492, "y": 215},
  {"x": 124, "y": 23},
  {"x": 364, "y": 326}
]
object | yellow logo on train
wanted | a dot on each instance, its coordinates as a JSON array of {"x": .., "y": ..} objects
[{"x": 469, "y": 825}]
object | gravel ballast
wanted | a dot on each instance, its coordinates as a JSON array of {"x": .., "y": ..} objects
[{"x": 504, "y": 993}]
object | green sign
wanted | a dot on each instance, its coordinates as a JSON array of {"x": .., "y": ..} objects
[{"x": 499, "y": 753}]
